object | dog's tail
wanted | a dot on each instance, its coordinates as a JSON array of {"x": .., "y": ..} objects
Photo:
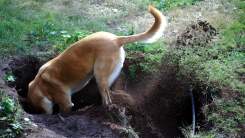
[{"x": 153, "y": 34}]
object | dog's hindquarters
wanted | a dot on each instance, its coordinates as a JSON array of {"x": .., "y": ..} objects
[
  {"x": 102, "y": 71},
  {"x": 107, "y": 70}
]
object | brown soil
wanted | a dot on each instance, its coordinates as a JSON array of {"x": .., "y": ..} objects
[{"x": 76, "y": 125}]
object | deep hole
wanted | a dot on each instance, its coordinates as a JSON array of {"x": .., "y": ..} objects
[{"x": 167, "y": 107}]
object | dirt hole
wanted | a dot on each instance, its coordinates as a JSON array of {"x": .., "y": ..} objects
[{"x": 165, "y": 106}]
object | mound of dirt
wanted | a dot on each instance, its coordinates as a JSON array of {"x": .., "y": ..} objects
[
  {"x": 199, "y": 34},
  {"x": 91, "y": 123}
]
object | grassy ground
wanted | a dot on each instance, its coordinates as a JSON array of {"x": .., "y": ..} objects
[
  {"x": 32, "y": 26},
  {"x": 29, "y": 24},
  {"x": 220, "y": 66}
]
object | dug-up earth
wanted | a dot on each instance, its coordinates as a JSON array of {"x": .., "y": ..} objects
[{"x": 153, "y": 114}]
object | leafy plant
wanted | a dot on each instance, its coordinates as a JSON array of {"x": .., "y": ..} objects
[
  {"x": 9, "y": 77},
  {"x": 145, "y": 58},
  {"x": 65, "y": 39},
  {"x": 10, "y": 124}
]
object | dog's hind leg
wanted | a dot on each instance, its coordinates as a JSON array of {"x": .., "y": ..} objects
[
  {"x": 102, "y": 71},
  {"x": 103, "y": 85}
]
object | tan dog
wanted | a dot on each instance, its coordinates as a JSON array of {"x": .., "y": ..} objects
[{"x": 100, "y": 55}]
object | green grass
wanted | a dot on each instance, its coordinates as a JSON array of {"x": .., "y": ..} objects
[
  {"x": 145, "y": 58},
  {"x": 30, "y": 24},
  {"x": 229, "y": 114},
  {"x": 25, "y": 25},
  {"x": 171, "y": 4}
]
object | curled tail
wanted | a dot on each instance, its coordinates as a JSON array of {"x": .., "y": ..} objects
[{"x": 151, "y": 35}]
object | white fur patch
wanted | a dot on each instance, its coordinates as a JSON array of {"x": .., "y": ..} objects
[
  {"x": 117, "y": 68},
  {"x": 47, "y": 105},
  {"x": 159, "y": 33}
]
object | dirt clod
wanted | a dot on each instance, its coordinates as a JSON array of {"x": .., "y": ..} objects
[{"x": 199, "y": 34}]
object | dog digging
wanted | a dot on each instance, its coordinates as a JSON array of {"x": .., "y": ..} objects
[
  {"x": 162, "y": 103},
  {"x": 148, "y": 111}
]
